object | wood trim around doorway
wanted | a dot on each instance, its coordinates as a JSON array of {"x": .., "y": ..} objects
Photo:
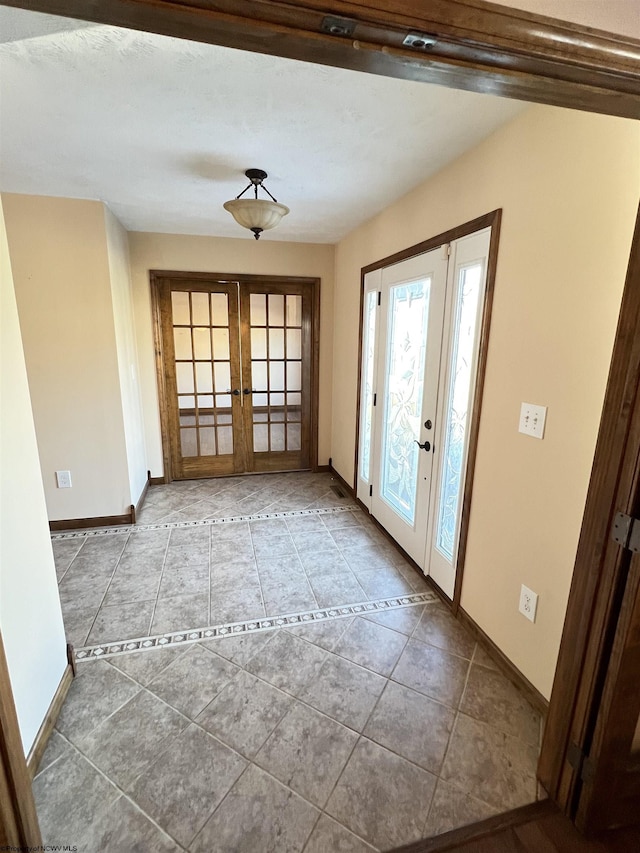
[
  {"x": 157, "y": 276},
  {"x": 18, "y": 820},
  {"x": 478, "y": 46},
  {"x": 493, "y": 221},
  {"x": 599, "y": 576}
]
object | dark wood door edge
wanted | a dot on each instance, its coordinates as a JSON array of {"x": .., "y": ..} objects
[
  {"x": 478, "y": 46},
  {"x": 593, "y": 601},
  {"x": 18, "y": 819},
  {"x": 476, "y": 831}
]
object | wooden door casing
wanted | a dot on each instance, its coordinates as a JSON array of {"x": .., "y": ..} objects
[
  {"x": 19, "y": 829},
  {"x": 481, "y": 46},
  {"x": 611, "y": 788},
  {"x": 239, "y": 289},
  {"x": 207, "y": 419},
  {"x": 598, "y": 585},
  {"x": 258, "y": 401}
]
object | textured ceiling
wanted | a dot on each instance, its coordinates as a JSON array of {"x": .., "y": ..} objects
[{"x": 162, "y": 129}]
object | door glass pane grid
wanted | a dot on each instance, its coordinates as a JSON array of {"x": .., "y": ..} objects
[
  {"x": 203, "y": 372},
  {"x": 457, "y": 411},
  {"x": 405, "y": 358},
  {"x": 276, "y": 370},
  {"x": 367, "y": 395}
]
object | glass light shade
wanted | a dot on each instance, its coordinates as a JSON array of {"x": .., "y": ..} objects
[{"x": 256, "y": 212}]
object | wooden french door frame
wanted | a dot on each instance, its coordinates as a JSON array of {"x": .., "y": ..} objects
[
  {"x": 163, "y": 289},
  {"x": 231, "y": 281},
  {"x": 485, "y": 48},
  {"x": 490, "y": 220},
  {"x": 309, "y": 292}
]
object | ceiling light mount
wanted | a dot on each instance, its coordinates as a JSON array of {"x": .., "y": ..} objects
[
  {"x": 338, "y": 26},
  {"x": 419, "y": 41},
  {"x": 256, "y": 214}
]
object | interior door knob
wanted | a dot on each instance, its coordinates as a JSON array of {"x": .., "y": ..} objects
[
  {"x": 247, "y": 391},
  {"x": 426, "y": 446},
  {"x": 235, "y": 391}
]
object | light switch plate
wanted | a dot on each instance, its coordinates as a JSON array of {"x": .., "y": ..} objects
[{"x": 532, "y": 420}]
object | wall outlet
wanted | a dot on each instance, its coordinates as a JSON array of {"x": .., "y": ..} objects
[
  {"x": 63, "y": 479},
  {"x": 532, "y": 420},
  {"x": 528, "y": 603}
]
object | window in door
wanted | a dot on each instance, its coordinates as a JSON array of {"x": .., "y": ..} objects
[
  {"x": 422, "y": 319},
  {"x": 237, "y": 370}
]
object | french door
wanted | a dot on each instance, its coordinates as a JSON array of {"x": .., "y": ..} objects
[
  {"x": 421, "y": 333},
  {"x": 237, "y": 373}
]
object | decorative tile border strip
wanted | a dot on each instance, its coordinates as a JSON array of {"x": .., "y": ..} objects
[
  {"x": 253, "y": 626},
  {"x": 207, "y": 522}
]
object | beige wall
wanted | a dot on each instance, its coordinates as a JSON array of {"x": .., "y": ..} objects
[
  {"x": 568, "y": 184},
  {"x": 225, "y": 255},
  {"x": 127, "y": 352},
  {"x": 58, "y": 251},
  {"x": 30, "y": 615}
]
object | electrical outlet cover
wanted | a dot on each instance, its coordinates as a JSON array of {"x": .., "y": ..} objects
[
  {"x": 528, "y": 603},
  {"x": 63, "y": 479}
]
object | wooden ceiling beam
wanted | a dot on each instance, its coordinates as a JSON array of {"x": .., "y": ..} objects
[{"x": 478, "y": 46}]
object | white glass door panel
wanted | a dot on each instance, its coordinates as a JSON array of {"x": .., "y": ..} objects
[
  {"x": 409, "y": 336},
  {"x": 466, "y": 287},
  {"x": 421, "y": 336}
]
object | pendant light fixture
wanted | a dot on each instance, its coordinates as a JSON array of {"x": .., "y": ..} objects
[{"x": 256, "y": 214}]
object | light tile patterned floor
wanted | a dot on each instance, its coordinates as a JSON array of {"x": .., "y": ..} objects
[
  {"x": 150, "y": 582},
  {"x": 351, "y": 734}
]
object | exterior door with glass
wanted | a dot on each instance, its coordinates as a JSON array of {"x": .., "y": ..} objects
[
  {"x": 421, "y": 333},
  {"x": 410, "y": 310}
]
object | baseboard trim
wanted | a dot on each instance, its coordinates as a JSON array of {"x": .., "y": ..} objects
[
  {"x": 44, "y": 732},
  {"x": 322, "y": 469},
  {"x": 351, "y": 491},
  {"x": 508, "y": 668},
  {"x": 97, "y": 521},
  {"x": 157, "y": 481},
  {"x": 459, "y": 838},
  {"x": 143, "y": 494},
  {"x": 532, "y": 694}
]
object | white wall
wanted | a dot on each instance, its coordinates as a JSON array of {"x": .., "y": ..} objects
[
  {"x": 127, "y": 353},
  {"x": 58, "y": 250},
  {"x": 226, "y": 255},
  {"x": 30, "y": 615}
]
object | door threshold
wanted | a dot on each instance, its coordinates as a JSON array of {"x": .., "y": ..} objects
[{"x": 458, "y": 839}]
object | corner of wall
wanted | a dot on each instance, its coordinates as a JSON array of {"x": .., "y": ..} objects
[{"x": 30, "y": 613}]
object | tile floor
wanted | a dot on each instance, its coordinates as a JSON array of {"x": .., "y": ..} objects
[
  {"x": 353, "y": 734},
  {"x": 150, "y": 582}
]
